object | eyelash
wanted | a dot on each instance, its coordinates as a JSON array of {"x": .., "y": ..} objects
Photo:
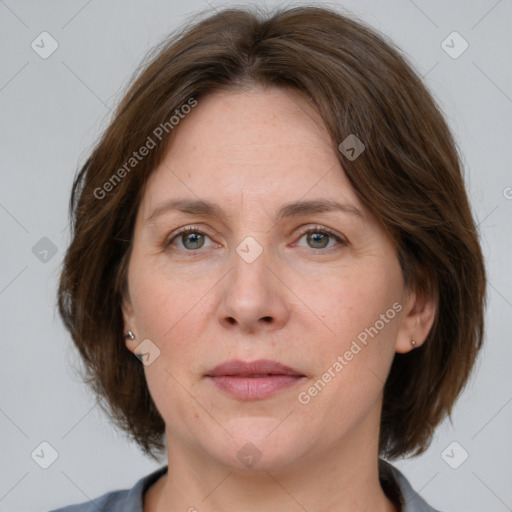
[{"x": 317, "y": 229}]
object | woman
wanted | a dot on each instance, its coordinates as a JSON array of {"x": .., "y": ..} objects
[{"x": 276, "y": 225}]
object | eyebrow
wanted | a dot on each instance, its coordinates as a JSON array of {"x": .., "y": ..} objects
[{"x": 288, "y": 210}]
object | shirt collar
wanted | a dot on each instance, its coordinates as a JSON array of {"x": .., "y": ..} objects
[{"x": 394, "y": 483}]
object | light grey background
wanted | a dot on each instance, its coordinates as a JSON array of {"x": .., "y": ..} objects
[{"x": 52, "y": 111}]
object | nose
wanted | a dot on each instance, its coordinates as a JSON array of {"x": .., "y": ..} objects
[{"x": 253, "y": 297}]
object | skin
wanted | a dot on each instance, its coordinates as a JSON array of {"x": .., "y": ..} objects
[{"x": 298, "y": 303}]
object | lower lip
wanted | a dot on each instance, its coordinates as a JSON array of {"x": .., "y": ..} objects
[{"x": 254, "y": 388}]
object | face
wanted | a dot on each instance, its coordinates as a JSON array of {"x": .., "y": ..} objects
[{"x": 261, "y": 274}]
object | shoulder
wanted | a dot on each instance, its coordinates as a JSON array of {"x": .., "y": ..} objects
[
  {"x": 127, "y": 500},
  {"x": 411, "y": 501},
  {"x": 110, "y": 502}
]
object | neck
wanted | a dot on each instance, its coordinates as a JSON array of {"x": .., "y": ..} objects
[{"x": 342, "y": 479}]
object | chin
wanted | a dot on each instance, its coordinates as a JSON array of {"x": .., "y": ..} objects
[{"x": 258, "y": 444}]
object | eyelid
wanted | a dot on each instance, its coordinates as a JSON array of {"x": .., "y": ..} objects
[
  {"x": 318, "y": 227},
  {"x": 323, "y": 229},
  {"x": 183, "y": 230}
]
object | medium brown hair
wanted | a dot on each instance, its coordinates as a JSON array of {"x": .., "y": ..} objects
[{"x": 409, "y": 176}]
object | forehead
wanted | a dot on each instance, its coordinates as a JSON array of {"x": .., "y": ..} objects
[{"x": 262, "y": 147}]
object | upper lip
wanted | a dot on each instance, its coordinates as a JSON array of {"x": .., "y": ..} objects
[{"x": 239, "y": 368}]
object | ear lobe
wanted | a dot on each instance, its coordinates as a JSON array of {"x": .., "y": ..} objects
[{"x": 419, "y": 316}]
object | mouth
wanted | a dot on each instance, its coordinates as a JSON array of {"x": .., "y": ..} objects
[{"x": 253, "y": 380}]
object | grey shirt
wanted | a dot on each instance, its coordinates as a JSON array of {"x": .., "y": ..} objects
[{"x": 394, "y": 483}]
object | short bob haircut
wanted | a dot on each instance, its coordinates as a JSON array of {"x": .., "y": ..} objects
[{"x": 409, "y": 177}]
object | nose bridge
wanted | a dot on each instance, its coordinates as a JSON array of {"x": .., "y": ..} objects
[
  {"x": 250, "y": 274},
  {"x": 251, "y": 297},
  {"x": 254, "y": 227}
]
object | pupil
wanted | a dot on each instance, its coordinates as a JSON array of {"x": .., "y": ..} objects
[
  {"x": 194, "y": 239},
  {"x": 317, "y": 237}
]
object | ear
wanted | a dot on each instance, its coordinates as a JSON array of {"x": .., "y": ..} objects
[
  {"x": 129, "y": 322},
  {"x": 417, "y": 320}
]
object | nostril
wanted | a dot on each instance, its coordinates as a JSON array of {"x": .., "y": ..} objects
[{"x": 267, "y": 319}]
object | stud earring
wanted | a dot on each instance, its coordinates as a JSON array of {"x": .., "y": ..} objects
[
  {"x": 129, "y": 334},
  {"x": 413, "y": 343}
]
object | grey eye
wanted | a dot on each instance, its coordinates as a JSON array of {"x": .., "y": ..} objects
[
  {"x": 318, "y": 240},
  {"x": 192, "y": 240}
]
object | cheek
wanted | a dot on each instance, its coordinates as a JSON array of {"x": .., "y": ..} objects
[
  {"x": 162, "y": 300},
  {"x": 360, "y": 309},
  {"x": 353, "y": 297},
  {"x": 170, "y": 311},
  {"x": 167, "y": 311},
  {"x": 353, "y": 357}
]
